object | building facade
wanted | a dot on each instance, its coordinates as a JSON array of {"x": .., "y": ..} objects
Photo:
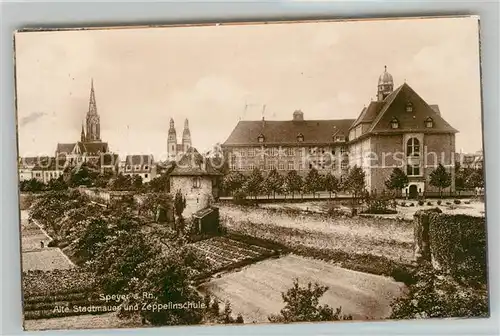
[
  {"x": 399, "y": 129},
  {"x": 176, "y": 150},
  {"x": 139, "y": 165},
  {"x": 196, "y": 179}
]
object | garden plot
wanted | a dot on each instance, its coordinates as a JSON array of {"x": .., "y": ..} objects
[
  {"x": 222, "y": 252},
  {"x": 255, "y": 291},
  {"x": 45, "y": 260}
]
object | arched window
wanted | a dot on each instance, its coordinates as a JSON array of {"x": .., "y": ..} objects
[
  {"x": 260, "y": 138},
  {"x": 409, "y": 107},
  {"x": 429, "y": 123},
  {"x": 413, "y": 147},
  {"x": 394, "y": 123},
  {"x": 300, "y": 137}
]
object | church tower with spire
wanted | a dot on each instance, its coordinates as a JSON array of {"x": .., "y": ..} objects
[
  {"x": 186, "y": 137},
  {"x": 172, "y": 140},
  {"x": 92, "y": 120},
  {"x": 82, "y": 134}
]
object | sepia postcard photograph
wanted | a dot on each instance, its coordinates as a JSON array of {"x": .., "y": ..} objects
[{"x": 251, "y": 173}]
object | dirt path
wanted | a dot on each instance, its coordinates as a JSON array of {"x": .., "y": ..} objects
[{"x": 255, "y": 291}]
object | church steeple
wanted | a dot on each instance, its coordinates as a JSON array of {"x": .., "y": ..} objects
[
  {"x": 82, "y": 135},
  {"x": 186, "y": 137},
  {"x": 92, "y": 120},
  {"x": 172, "y": 140}
]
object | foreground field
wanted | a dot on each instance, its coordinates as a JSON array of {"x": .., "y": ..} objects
[
  {"x": 104, "y": 321},
  {"x": 389, "y": 238},
  {"x": 255, "y": 291}
]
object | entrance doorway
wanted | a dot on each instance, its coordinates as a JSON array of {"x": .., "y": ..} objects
[{"x": 413, "y": 191}]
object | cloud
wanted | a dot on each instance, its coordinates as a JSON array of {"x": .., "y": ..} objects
[{"x": 31, "y": 118}]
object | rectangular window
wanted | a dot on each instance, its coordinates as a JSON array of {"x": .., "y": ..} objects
[
  {"x": 344, "y": 165},
  {"x": 343, "y": 150},
  {"x": 301, "y": 165},
  {"x": 261, "y": 165},
  {"x": 291, "y": 165},
  {"x": 340, "y": 138},
  {"x": 281, "y": 166},
  {"x": 145, "y": 175},
  {"x": 196, "y": 182},
  {"x": 251, "y": 152},
  {"x": 412, "y": 170},
  {"x": 146, "y": 167},
  {"x": 251, "y": 166},
  {"x": 243, "y": 153}
]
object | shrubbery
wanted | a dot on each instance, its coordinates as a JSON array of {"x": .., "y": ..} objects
[
  {"x": 420, "y": 202},
  {"x": 379, "y": 205},
  {"x": 457, "y": 201},
  {"x": 458, "y": 243},
  {"x": 439, "y": 202}
]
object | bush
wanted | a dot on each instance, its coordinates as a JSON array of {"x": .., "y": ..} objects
[
  {"x": 436, "y": 295},
  {"x": 403, "y": 204},
  {"x": 404, "y": 275},
  {"x": 240, "y": 198},
  {"x": 448, "y": 203},
  {"x": 53, "y": 243},
  {"x": 458, "y": 244},
  {"x": 420, "y": 203},
  {"x": 439, "y": 202},
  {"x": 429, "y": 203},
  {"x": 411, "y": 204},
  {"x": 467, "y": 202},
  {"x": 457, "y": 201},
  {"x": 379, "y": 205}
]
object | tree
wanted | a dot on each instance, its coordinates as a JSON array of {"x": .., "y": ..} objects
[
  {"x": 82, "y": 175},
  {"x": 440, "y": 178},
  {"x": 89, "y": 244},
  {"x": 355, "y": 182},
  {"x": 313, "y": 182},
  {"x": 233, "y": 181},
  {"x": 160, "y": 183},
  {"x": 397, "y": 181},
  {"x": 253, "y": 184},
  {"x": 102, "y": 180},
  {"x": 331, "y": 184},
  {"x": 120, "y": 182},
  {"x": 274, "y": 182},
  {"x": 156, "y": 204},
  {"x": 475, "y": 179},
  {"x": 137, "y": 182},
  {"x": 302, "y": 305},
  {"x": 179, "y": 206},
  {"x": 294, "y": 182},
  {"x": 32, "y": 185}
]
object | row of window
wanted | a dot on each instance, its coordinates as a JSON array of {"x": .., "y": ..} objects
[
  {"x": 270, "y": 165},
  {"x": 136, "y": 167},
  {"x": 429, "y": 123},
  {"x": 300, "y": 138},
  {"x": 287, "y": 151}
]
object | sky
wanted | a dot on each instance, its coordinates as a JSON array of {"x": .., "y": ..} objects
[{"x": 208, "y": 74}]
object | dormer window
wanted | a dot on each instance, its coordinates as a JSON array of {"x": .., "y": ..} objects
[
  {"x": 339, "y": 138},
  {"x": 260, "y": 138},
  {"x": 394, "y": 123},
  {"x": 127, "y": 168},
  {"x": 409, "y": 107},
  {"x": 300, "y": 137},
  {"x": 429, "y": 123}
]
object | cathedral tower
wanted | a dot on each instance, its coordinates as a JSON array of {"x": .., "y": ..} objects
[
  {"x": 82, "y": 134},
  {"x": 186, "y": 137},
  {"x": 172, "y": 140},
  {"x": 385, "y": 85},
  {"x": 92, "y": 119}
]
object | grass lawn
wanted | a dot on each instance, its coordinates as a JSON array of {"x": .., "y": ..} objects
[{"x": 255, "y": 291}]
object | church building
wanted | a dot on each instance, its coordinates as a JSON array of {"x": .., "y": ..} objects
[
  {"x": 90, "y": 147},
  {"x": 175, "y": 149},
  {"x": 398, "y": 129}
]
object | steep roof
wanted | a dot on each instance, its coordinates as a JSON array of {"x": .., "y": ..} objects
[
  {"x": 83, "y": 147},
  {"x": 368, "y": 114},
  {"x": 108, "y": 159},
  {"x": 193, "y": 163},
  {"x": 141, "y": 159},
  {"x": 395, "y": 107},
  {"x": 286, "y": 131}
]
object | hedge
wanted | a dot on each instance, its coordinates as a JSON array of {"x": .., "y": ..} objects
[{"x": 458, "y": 244}]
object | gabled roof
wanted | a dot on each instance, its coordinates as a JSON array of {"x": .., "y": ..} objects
[
  {"x": 108, "y": 159},
  {"x": 368, "y": 114},
  {"x": 193, "y": 163},
  {"x": 83, "y": 147},
  {"x": 395, "y": 107},
  {"x": 140, "y": 159},
  {"x": 286, "y": 131}
]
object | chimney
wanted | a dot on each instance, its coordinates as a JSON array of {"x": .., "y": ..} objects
[{"x": 298, "y": 115}]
